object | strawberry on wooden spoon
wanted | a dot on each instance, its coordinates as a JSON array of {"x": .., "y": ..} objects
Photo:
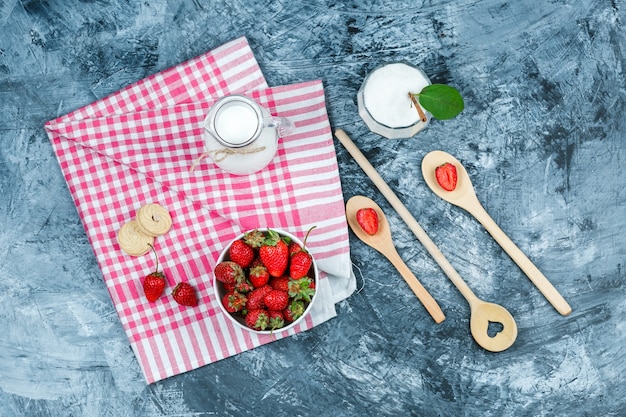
[
  {"x": 446, "y": 176},
  {"x": 367, "y": 218}
]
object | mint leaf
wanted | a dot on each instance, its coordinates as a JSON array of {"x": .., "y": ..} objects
[{"x": 442, "y": 101}]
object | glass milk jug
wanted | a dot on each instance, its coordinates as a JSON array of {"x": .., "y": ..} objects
[{"x": 241, "y": 136}]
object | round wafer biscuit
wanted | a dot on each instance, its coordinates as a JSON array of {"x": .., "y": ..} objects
[
  {"x": 153, "y": 220},
  {"x": 132, "y": 240}
]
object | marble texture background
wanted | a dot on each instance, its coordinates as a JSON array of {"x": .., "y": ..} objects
[{"x": 542, "y": 135}]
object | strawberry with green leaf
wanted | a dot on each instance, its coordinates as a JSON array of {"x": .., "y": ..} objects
[
  {"x": 274, "y": 253},
  {"x": 241, "y": 253},
  {"x": 254, "y": 238},
  {"x": 276, "y": 319},
  {"x": 294, "y": 311},
  {"x": 257, "y": 319},
  {"x": 301, "y": 289},
  {"x": 229, "y": 272},
  {"x": 301, "y": 261},
  {"x": 154, "y": 283},
  {"x": 184, "y": 294},
  {"x": 234, "y": 302},
  {"x": 258, "y": 276}
]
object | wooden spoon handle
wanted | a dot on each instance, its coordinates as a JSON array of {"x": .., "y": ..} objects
[
  {"x": 418, "y": 289},
  {"x": 525, "y": 264},
  {"x": 406, "y": 215}
]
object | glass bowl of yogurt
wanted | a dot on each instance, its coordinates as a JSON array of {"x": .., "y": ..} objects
[{"x": 385, "y": 104}]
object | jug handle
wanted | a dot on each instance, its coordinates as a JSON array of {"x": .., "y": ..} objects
[{"x": 283, "y": 125}]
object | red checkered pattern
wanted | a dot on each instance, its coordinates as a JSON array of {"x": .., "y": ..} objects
[{"x": 137, "y": 146}]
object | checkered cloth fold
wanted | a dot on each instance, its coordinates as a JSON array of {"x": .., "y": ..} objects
[{"x": 137, "y": 146}]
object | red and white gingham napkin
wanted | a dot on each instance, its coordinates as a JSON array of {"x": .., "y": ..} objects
[{"x": 137, "y": 147}]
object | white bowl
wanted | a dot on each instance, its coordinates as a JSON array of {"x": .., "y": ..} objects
[{"x": 238, "y": 320}]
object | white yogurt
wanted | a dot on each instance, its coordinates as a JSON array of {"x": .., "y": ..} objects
[{"x": 384, "y": 102}]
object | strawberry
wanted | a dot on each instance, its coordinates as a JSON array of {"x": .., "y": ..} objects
[
  {"x": 367, "y": 218},
  {"x": 242, "y": 287},
  {"x": 276, "y": 300},
  {"x": 254, "y": 238},
  {"x": 185, "y": 294},
  {"x": 234, "y": 301},
  {"x": 300, "y": 261},
  {"x": 274, "y": 254},
  {"x": 446, "y": 176},
  {"x": 154, "y": 285},
  {"x": 255, "y": 262},
  {"x": 294, "y": 311},
  {"x": 299, "y": 265},
  {"x": 276, "y": 319},
  {"x": 258, "y": 276},
  {"x": 301, "y": 289},
  {"x": 256, "y": 296},
  {"x": 294, "y": 247},
  {"x": 229, "y": 272},
  {"x": 241, "y": 253},
  {"x": 280, "y": 283},
  {"x": 257, "y": 319}
]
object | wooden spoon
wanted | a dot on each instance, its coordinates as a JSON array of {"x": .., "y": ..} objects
[
  {"x": 383, "y": 243},
  {"x": 464, "y": 196},
  {"x": 482, "y": 313}
]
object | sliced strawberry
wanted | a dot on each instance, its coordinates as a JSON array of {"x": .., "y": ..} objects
[
  {"x": 446, "y": 176},
  {"x": 367, "y": 218}
]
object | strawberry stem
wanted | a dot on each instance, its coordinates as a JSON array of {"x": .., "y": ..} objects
[
  {"x": 307, "y": 236},
  {"x": 156, "y": 269}
]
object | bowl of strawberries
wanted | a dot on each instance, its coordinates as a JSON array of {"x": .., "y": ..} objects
[{"x": 265, "y": 280}]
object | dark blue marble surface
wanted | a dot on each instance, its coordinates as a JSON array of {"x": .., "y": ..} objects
[{"x": 542, "y": 135}]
